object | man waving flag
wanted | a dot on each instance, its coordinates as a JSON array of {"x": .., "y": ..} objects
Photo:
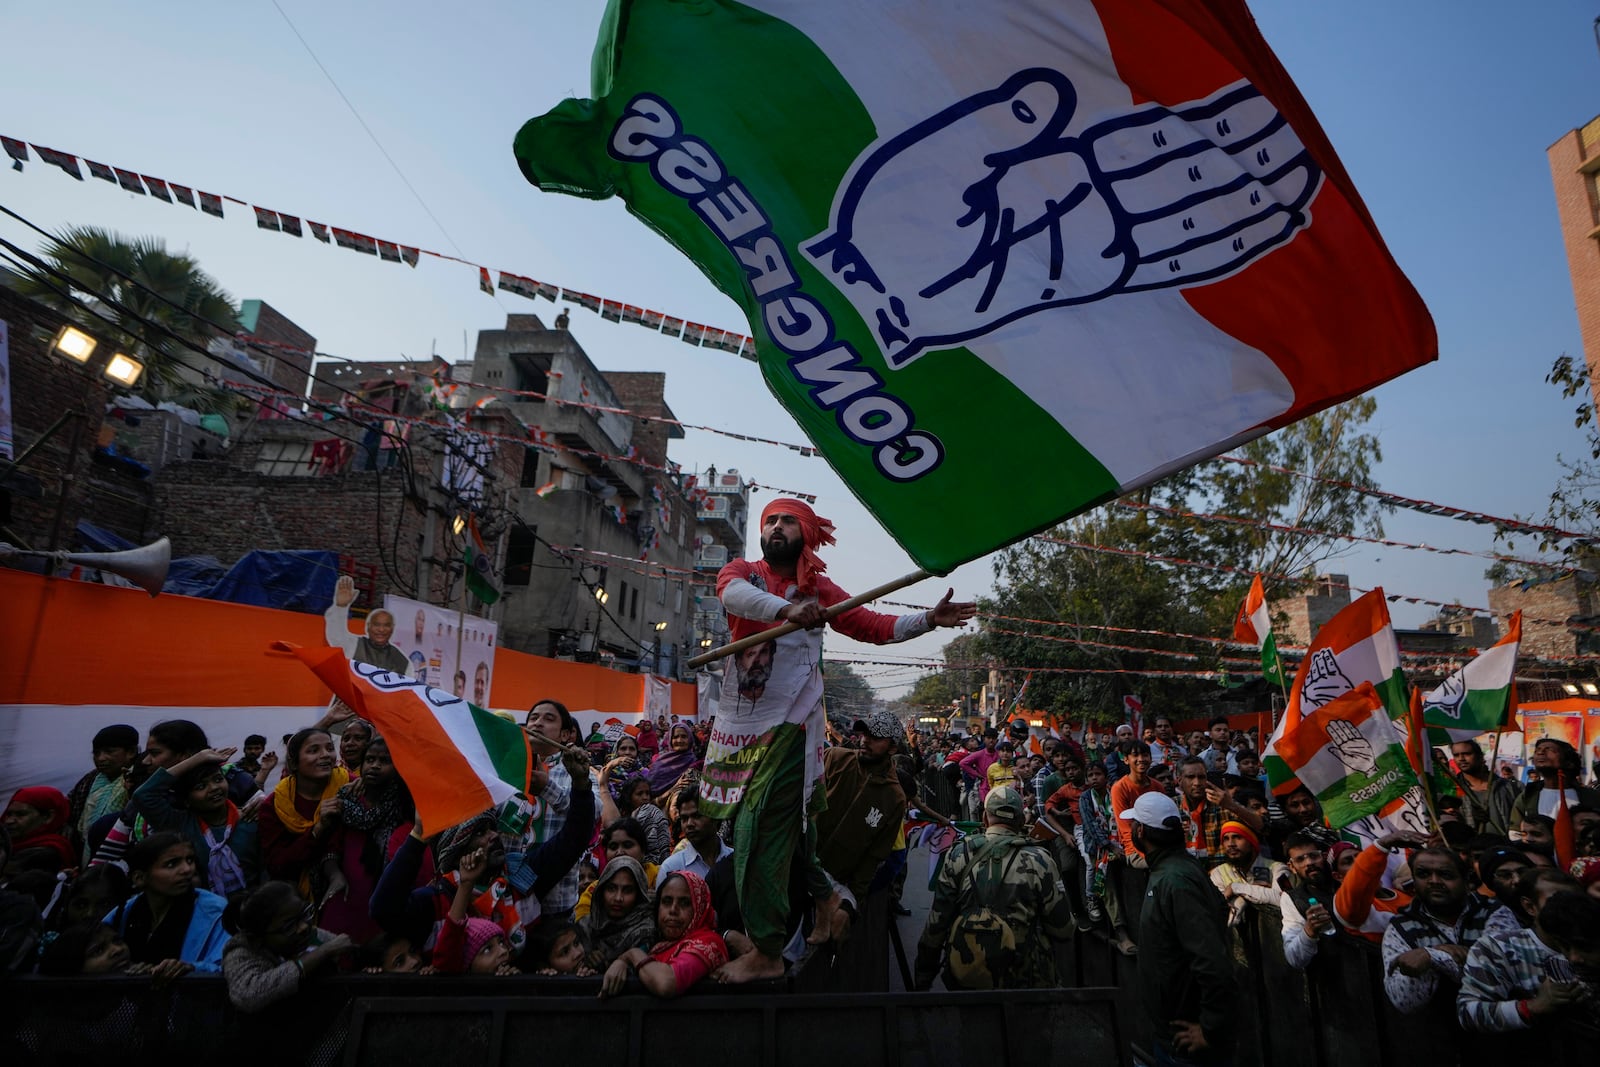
[{"x": 1111, "y": 229}]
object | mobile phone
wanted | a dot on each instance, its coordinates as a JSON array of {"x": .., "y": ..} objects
[{"x": 1559, "y": 969}]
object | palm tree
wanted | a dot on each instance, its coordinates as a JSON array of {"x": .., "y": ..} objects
[{"x": 132, "y": 285}]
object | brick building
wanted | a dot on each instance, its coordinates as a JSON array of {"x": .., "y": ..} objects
[
  {"x": 1309, "y": 612},
  {"x": 721, "y": 519},
  {"x": 1547, "y": 607},
  {"x": 1574, "y": 164}
]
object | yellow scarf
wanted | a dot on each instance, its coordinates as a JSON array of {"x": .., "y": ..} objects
[{"x": 283, "y": 797}]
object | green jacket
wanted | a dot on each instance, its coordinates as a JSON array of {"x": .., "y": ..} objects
[
  {"x": 1018, "y": 879},
  {"x": 1185, "y": 963}
]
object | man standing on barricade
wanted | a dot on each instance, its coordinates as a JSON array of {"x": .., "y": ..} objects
[{"x": 765, "y": 755}]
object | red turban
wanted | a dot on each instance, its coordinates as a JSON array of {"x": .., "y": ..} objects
[{"x": 816, "y": 533}]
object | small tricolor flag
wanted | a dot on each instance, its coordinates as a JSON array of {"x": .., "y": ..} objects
[
  {"x": 1479, "y": 697},
  {"x": 478, "y": 566},
  {"x": 457, "y": 759},
  {"x": 546, "y": 489},
  {"x": 1253, "y": 625}
]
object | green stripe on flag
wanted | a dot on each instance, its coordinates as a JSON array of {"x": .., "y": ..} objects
[
  {"x": 506, "y": 745},
  {"x": 787, "y": 146},
  {"x": 1357, "y": 795},
  {"x": 1271, "y": 665}
]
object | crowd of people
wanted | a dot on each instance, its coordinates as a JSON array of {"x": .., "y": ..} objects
[
  {"x": 685, "y": 852},
  {"x": 1488, "y": 925}
]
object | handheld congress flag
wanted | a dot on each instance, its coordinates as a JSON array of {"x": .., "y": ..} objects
[{"x": 1109, "y": 235}]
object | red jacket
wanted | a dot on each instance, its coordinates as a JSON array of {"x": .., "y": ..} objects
[{"x": 860, "y": 623}]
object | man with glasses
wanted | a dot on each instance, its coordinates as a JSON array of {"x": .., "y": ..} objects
[{"x": 1307, "y": 905}]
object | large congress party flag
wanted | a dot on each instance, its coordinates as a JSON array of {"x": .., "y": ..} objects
[{"x": 1106, "y": 236}]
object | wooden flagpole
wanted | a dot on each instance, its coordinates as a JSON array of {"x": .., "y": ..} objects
[{"x": 788, "y": 628}]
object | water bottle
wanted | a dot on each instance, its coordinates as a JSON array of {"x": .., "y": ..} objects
[{"x": 1332, "y": 930}]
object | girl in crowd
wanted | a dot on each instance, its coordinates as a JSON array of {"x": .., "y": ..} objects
[
  {"x": 170, "y": 925},
  {"x": 556, "y": 947},
  {"x": 622, "y": 837},
  {"x": 375, "y": 814},
  {"x": 85, "y": 948},
  {"x": 470, "y": 944},
  {"x": 304, "y": 812},
  {"x": 191, "y": 797},
  {"x": 95, "y": 892},
  {"x": 170, "y": 743},
  {"x": 669, "y": 768},
  {"x": 35, "y": 819},
  {"x": 689, "y": 947},
  {"x": 634, "y": 797},
  {"x": 387, "y": 954},
  {"x": 626, "y": 755},
  {"x": 621, "y": 915},
  {"x": 277, "y": 947}
]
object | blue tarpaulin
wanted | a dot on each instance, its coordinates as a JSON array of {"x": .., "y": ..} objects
[{"x": 299, "y": 580}]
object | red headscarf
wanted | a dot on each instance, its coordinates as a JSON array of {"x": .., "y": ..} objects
[
  {"x": 53, "y": 802},
  {"x": 816, "y": 533},
  {"x": 702, "y": 940}
]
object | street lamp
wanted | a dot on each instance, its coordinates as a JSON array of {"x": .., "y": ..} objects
[
  {"x": 660, "y": 626},
  {"x": 74, "y": 344}
]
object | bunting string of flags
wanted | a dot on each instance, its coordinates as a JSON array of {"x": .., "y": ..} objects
[
  {"x": 1425, "y": 507},
  {"x": 1257, "y": 524},
  {"x": 689, "y": 332},
  {"x": 536, "y": 438},
  {"x": 1224, "y": 568}
]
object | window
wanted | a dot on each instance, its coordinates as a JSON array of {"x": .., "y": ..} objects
[
  {"x": 622, "y": 603},
  {"x": 530, "y": 469},
  {"x": 284, "y": 458},
  {"x": 519, "y": 556}
]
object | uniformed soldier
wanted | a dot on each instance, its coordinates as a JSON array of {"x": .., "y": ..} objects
[{"x": 997, "y": 907}]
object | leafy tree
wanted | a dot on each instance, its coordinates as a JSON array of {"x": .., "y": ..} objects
[
  {"x": 110, "y": 273},
  {"x": 844, "y": 692},
  {"x": 1575, "y": 502},
  {"x": 1282, "y": 526}
]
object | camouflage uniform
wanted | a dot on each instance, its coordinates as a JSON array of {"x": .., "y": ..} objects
[{"x": 1019, "y": 881}]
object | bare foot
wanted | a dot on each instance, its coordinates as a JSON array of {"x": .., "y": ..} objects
[
  {"x": 826, "y": 911},
  {"x": 751, "y": 967},
  {"x": 1124, "y": 944},
  {"x": 738, "y": 944}
]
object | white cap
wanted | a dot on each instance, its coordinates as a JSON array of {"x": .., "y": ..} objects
[{"x": 1156, "y": 810}]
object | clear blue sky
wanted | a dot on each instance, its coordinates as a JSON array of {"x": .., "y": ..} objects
[{"x": 1441, "y": 111}]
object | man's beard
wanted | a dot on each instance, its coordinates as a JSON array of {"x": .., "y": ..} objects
[{"x": 784, "y": 553}]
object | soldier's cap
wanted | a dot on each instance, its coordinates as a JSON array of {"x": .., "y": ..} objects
[
  {"x": 1155, "y": 810},
  {"x": 879, "y": 724},
  {"x": 1003, "y": 804}
]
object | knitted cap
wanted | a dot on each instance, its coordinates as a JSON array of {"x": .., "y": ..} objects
[
  {"x": 479, "y": 933},
  {"x": 1243, "y": 831}
]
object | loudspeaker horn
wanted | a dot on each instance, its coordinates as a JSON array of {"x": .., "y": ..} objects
[{"x": 145, "y": 567}]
